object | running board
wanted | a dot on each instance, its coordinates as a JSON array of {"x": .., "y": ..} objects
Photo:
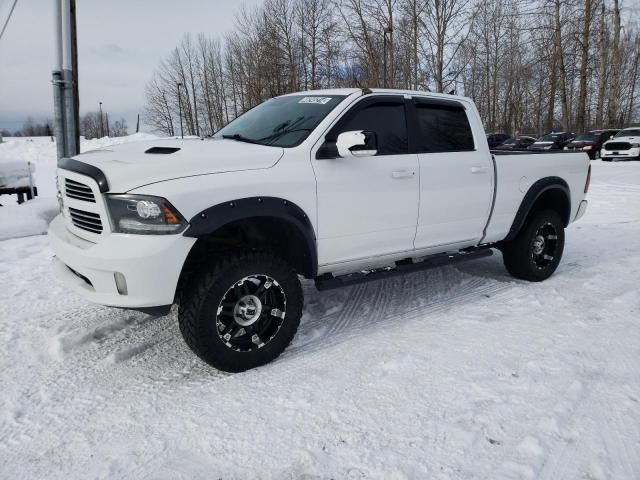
[{"x": 329, "y": 282}]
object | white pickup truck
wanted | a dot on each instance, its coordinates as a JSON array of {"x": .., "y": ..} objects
[{"x": 339, "y": 186}]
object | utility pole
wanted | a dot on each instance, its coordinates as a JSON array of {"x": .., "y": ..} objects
[
  {"x": 58, "y": 84},
  {"x": 387, "y": 31},
  {"x": 107, "y": 118},
  {"x": 180, "y": 108},
  {"x": 101, "y": 124},
  {"x": 65, "y": 86},
  {"x": 74, "y": 62},
  {"x": 138, "y": 124}
]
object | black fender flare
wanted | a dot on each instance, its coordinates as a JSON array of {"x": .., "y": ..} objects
[
  {"x": 213, "y": 218},
  {"x": 533, "y": 194},
  {"x": 87, "y": 170}
]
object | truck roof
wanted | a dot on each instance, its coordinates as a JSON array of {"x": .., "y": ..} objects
[{"x": 350, "y": 91}]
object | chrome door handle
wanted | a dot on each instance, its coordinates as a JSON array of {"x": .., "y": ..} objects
[
  {"x": 479, "y": 169},
  {"x": 402, "y": 174}
]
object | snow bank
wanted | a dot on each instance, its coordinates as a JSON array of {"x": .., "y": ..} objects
[{"x": 30, "y": 218}]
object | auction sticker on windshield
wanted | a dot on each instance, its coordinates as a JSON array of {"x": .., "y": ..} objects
[{"x": 319, "y": 100}]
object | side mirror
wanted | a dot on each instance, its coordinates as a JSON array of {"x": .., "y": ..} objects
[
  {"x": 611, "y": 137},
  {"x": 357, "y": 143}
]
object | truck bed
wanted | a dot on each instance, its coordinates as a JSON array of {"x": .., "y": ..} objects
[{"x": 516, "y": 172}]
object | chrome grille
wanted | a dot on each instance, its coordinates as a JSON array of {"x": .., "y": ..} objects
[
  {"x": 78, "y": 190},
  {"x": 617, "y": 146},
  {"x": 86, "y": 220}
]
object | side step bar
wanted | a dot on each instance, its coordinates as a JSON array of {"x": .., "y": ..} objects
[{"x": 329, "y": 282}]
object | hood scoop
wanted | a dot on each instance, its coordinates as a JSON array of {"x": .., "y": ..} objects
[{"x": 162, "y": 150}]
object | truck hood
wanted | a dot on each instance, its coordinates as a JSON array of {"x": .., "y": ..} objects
[
  {"x": 630, "y": 139},
  {"x": 134, "y": 164}
]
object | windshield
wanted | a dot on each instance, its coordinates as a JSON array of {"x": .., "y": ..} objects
[
  {"x": 282, "y": 121},
  {"x": 634, "y": 132},
  {"x": 587, "y": 137}
]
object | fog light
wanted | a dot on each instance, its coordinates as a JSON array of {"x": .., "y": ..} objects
[{"x": 121, "y": 283}]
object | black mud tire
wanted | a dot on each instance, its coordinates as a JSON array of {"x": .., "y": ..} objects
[
  {"x": 519, "y": 255},
  {"x": 201, "y": 297}
]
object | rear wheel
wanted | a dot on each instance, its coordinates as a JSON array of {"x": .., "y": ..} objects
[
  {"x": 243, "y": 312},
  {"x": 536, "y": 252}
]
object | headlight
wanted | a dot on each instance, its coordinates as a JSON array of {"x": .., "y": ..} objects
[
  {"x": 635, "y": 145},
  {"x": 548, "y": 147},
  {"x": 143, "y": 214},
  {"x": 587, "y": 147}
]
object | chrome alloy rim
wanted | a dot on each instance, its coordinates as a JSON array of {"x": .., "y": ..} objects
[
  {"x": 251, "y": 313},
  {"x": 544, "y": 246}
]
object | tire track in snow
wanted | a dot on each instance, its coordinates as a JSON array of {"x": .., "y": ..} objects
[
  {"x": 393, "y": 303},
  {"x": 89, "y": 351}
]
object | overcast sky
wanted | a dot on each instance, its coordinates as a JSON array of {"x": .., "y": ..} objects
[{"x": 120, "y": 43}]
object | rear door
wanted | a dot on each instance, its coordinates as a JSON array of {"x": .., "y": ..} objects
[
  {"x": 456, "y": 175},
  {"x": 368, "y": 206}
]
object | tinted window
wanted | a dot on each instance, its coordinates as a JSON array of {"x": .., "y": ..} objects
[
  {"x": 551, "y": 137},
  {"x": 628, "y": 133},
  {"x": 387, "y": 120},
  {"x": 588, "y": 137},
  {"x": 282, "y": 121},
  {"x": 443, "y": 129}
]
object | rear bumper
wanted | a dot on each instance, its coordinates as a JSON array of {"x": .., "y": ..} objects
[
  {"x": 581, "y": 210},
  {"x": 149, "y": 264}
]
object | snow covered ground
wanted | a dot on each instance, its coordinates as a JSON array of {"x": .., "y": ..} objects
[{"x": 455, "y": 373}]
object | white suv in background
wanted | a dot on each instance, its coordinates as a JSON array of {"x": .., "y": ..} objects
[{"x": 624, "y": 146}]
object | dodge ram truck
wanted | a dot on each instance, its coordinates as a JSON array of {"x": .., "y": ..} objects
[{"x": 336, "y": 186}]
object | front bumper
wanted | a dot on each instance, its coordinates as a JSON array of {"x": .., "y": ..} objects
[
  {"x": 149, "y": 264},
  {"x": 631, "y": 154}
]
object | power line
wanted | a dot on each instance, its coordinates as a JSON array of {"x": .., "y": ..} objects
[{"x": 4, "y": 27}]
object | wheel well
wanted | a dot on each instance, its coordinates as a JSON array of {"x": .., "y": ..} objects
[
  {"x": 255, "y": 233},
  {"x": 553, "y": 199},
  {"x": 552, "y": 193}
]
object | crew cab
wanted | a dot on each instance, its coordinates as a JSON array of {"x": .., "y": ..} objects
[
  {"x": 337, "y": 186},
  {"x": 625, "y": 145}
]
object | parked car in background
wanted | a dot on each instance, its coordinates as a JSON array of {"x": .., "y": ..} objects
[
  {"x": 625, "y": 145},
  {"x": 520, "y": 142},
  {"x": 552, "y": 141},
  {"x": 495, "y": 139},
  {"x": 591, "y": 142}
]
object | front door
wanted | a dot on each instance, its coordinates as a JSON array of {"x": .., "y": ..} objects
[{"x": 368, "y": 206}]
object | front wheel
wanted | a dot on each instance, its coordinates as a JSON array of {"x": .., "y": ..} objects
[
  {"x": 536, "y": 252},
  {"x": 243, "y": 312}
]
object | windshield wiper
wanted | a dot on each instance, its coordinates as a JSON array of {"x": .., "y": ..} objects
[
  {"x": 240, "y": 138},
  {"x": 276, "y": 136}
]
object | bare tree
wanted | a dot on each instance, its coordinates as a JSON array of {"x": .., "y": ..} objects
[{"x": 529, "y": 66}]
